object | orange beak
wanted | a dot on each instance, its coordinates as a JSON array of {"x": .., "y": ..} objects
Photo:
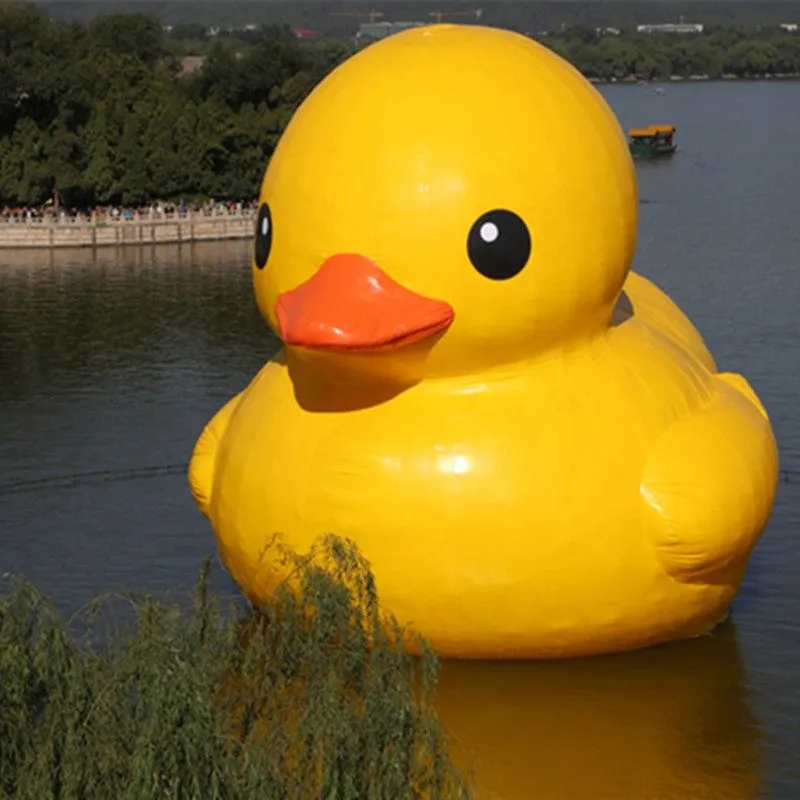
[{"x": 352, "y": 304}]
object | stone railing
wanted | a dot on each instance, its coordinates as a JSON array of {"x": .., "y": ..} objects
[{"x": 128, "y": 228}]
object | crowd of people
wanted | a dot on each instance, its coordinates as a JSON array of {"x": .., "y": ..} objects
[{"x": 50, "y": 214}]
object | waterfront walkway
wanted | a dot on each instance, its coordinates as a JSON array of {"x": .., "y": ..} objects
[{"x": 27, "y": 228}]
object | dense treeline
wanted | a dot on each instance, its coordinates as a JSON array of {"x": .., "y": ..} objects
[
  {"x": 341, "y": 17},
  {"x": 99, "y": 113},
  {"x": 104, "y": 112},
  {"x": 650, "y": 57}
]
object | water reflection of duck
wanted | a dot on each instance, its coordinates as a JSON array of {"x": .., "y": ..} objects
[{"x": 669, "y": 723}]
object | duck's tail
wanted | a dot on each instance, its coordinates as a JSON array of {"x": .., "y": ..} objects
[{"x": 204, "y": 456}]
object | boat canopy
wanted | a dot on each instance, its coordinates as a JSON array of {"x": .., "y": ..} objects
[{"x": 652, "y": 130}]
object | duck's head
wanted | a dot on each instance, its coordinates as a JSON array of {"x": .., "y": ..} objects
[{"x": 450, "y": 200}]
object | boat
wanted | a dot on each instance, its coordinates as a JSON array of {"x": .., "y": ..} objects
[{"x": 654, "y": 140}]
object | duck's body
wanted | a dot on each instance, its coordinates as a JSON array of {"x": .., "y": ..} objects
[
  {"x": 531, "y": 480},
  {"x": 530, "y": 444}
]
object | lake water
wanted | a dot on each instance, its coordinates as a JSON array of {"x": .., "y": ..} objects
[{"x": 116, "y": 360}]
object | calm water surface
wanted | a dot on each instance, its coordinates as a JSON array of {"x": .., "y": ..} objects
[{"x": 118, "y": 359}]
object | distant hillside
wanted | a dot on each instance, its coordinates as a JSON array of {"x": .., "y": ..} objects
[{"x": 341, "y": 18}]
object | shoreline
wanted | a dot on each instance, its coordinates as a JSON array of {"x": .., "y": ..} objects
[
  {"x": 47, "y": 235},
  {"x": 633, "y": 80}
]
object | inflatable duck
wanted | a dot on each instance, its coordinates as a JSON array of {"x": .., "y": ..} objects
[{"x": 529, "y": 443}]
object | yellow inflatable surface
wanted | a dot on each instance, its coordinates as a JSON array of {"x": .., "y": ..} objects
[{"x": 530, "y": 443}]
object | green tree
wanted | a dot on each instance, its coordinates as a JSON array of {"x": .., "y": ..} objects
[
  {"x": 138, "y": 35},
  {"x": 751, "y": 58},
  {"x": 63, "y": 161},
  {"x": 100, "y": 136}
]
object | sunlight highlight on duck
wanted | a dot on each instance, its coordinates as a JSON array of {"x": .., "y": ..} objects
[{"x": 529, "y": 442}]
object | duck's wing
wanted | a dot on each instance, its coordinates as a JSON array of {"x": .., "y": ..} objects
[
  {"x": 201, "y": 465},
  {"x": 709, "y": 484},
  {"x": 642, "y": 298}
]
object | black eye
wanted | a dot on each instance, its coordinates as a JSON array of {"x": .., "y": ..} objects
[
  {"x": 263, "y": 235},
  {"x": 499, "y": 244}
]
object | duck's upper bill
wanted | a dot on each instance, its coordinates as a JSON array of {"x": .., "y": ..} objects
[{"x": 352, "y": 304}]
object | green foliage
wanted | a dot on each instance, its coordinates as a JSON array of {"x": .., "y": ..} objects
[
  {"x": 664, "y": 56},
  {"x": 313, "y": 697},
  {"x": 137, "y": 35},
  {"x": 102, "y": 113}
]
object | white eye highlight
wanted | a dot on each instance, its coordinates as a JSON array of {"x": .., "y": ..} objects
[{"x": 489, "y": 232}]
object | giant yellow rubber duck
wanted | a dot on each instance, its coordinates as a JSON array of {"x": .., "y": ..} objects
[{"x": 529, "y": 442}]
